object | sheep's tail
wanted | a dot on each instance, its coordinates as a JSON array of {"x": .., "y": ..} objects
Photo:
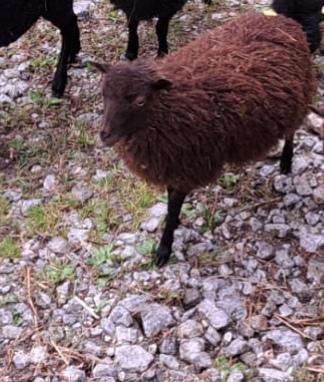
[{"x": 308, "y": 13}]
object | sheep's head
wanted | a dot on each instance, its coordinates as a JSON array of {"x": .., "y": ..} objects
[{"x": 128, "y": 90}]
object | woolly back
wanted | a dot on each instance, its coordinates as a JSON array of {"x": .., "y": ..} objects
[{"x": 235, "y": 91}]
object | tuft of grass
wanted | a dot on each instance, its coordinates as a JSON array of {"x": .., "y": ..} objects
[
  {"x": 228, "y": 180},
  {"x": 40, "y": 99},
  {"x": 226, "y": 367},
  {"x": 212, "y": 220},
  {"x": 82, "y": 135},
  {"x": 101, "y": 255},
  {"x": 43, "y": 220},
  {"x": 8, "y": 299},
  {"x": 147, "y": 247},
  {"x": 303, "y": 375},
  {"x": 4, "y": 209},
  {"x": 9, "y": 248},
  {"x": 58, "y": 271},
  {"x": 44, "y": 61}
]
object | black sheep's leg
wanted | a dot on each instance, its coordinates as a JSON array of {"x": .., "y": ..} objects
[
  {"x": 162, "y": 28},
  {"x": 133, "y": 44},
  {"x": 287, "y": 155},
  {"x": 76, "y": 46},
  {"x": 175, "y": 201},
  {"x": 63, "y": 21}
]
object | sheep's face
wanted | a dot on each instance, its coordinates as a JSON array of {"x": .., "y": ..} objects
[{"x": 128, "y": 90}]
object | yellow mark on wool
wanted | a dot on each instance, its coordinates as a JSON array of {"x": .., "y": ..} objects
[
  {"x": 323, "y": 10},
  {"x": 270, "y": 12}
]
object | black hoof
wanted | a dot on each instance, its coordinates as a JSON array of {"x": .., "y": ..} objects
[
  {"x": 131, "y": 56},
  {"x": 57, "y": 94},
  {"x": 162, "y": 256},
  {"x": 285, "y": 168}
]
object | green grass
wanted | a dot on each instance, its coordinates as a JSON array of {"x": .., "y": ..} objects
[
  {"x": 101, "y": 255},
  {"x": 58, "y": 271},
  {"x": 43, "y": 220},
  {"x": 225, "y": 367},
  {"x": 228, "y": 181},
  {"x": 9, "y": 248},
  {"x": 4, "y": 209}
]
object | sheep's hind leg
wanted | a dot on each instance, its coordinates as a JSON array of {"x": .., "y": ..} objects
[
  {"x": 76, "y": 46},
  {"x": 162, "y": 28},
  {"x": 287, "y": 155},
  {"x": 175, "y": 201},
  {"x": 133, "y": 43}
]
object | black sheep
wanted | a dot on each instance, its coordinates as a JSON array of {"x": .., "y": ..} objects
[
  {"x": 138, "y": 10},
  {"x": 17, "y": 16},
  {"x": 306, "y": 12}
]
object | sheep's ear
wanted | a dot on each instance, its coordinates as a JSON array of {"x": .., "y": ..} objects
[
  {"x": 162, "y": 84},
  {"x": 102, "y": 67}
]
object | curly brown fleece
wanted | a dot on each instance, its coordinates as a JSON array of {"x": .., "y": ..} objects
[{"x": 235, "y": 91}]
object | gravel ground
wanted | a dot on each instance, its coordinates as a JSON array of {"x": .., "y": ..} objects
[{"x": 80, "y": 300}]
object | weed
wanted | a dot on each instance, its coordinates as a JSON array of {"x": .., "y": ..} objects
[
  {"x": 58, "y": 271},
  {"x": 8, "y": 299},
  {"x": 226, "y": 367},
  {"x": 147, "y": 247},
  {"x": 42, "y": 220},
  {"x": 228, "y": 180},
  {"x": 101, "y": 255},
  {"x": 9, "y": 248}
]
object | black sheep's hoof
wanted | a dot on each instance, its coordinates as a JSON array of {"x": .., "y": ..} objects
[
  {"x": 131, "y": 56},
  {"x": 285, "y": 168},
  {"x": 57, "y": 94},
  {"x": 162, "y": 256}
]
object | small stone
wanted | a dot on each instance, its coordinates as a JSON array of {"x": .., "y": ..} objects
[
  {"x": 283, "y": 184},
  {"x": 38, "y": 354},
  {"x": 104, "y": 370},
  {"x": 58, "y": 245},
  {"x": 286, "y": 339},
  {"x": 192, "y": 351},
  {"x": 155, "y": 215},
  {"x": 126, "y": 334},
  {"x": 265, "y": 250},
  {"x": 169, "y": 361},
  {"x": 235, "y": 376},
  {"x": 273, "y": 375},
  {"x": 311, "y": 242},
  {"x": 50, "y": 183},
  {"x": 302, "y": 185},
  {"x": 100, "y": 175},
  {"x": 318, "y": 195},
  {"x": 282, "y": 258},
  {"x": 279, "y": 229},
  {"x": 291, "y": 200},
  {"x": 63, "y": 292},
  {"x": 282, "y": 361},
  {"x": 217, "y": 317},
  {"x": 28, "y": 204},
  {"x": 134, "y": 303},
  {"x": 12, "y": 332},
  {"x": 285, "y": 310},
  {"x": 212, "y": 336},
  {"x": 236, "y": 347},
  {"x": 81, "y": 193},
  {"x": 78, "y": 235},
  {"x": 121, "y": 316},
  {"x": 168, "y": 346},
  {"x": 21, "y": 360},
  {"x": 133, "y": 358},
  {"x": 190, "y": 329},
  {"x": 43, "y": 300},
  {"x": 5, "y": 317},
  {"x": 191, "y": 297},
  {"x": 72, "y": 374},
  {"x": 155, "y": 318}
]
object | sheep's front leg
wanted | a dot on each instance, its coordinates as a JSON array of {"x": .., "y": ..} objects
[
  {"x": 162, "y": 28},
  {"x": 287, "y": 155},
  {"x": 175, "y": 201},
  {"x": 133, "y": 43}
]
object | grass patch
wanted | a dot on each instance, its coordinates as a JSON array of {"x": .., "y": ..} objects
[
  {"x": 226, "y": 367},
  {"x": 58, "y": 271},
  {"x": 43, "y": 220},
  {"x": 228, "y": 180},
  {"x": 4, "y": 209},
  {"x": 101, "y": 255},
  {"x": 9, "y": 248}
]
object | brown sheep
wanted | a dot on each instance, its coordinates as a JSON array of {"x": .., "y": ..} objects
[{"x": 225, "y": 98}]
